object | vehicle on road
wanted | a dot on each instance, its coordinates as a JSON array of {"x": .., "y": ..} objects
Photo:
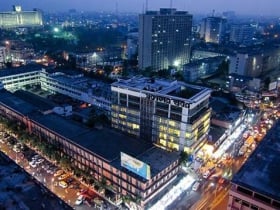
[
  {"x": 32, "y": 164},
  {"x": 59, "y": 173},
  {"x": 196, "y": 186},
  {"x": 63, "y": 184},
  {"x": 79, "y": 200},
  {"x": 63, "y": 176}
]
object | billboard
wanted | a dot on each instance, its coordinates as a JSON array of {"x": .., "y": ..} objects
[
  {"x": 272, "y": 86},
  {"x": 136, "y": 166}
]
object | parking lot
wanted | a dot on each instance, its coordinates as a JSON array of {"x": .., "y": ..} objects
[{"x": 61, "y": 183}]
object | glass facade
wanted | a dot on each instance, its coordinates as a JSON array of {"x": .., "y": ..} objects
[{"x": 168, "y": 125}]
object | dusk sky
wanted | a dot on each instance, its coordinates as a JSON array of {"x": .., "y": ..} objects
[{"x": 261, "y": 7}]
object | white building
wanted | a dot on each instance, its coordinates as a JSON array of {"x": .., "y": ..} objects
[
  {"x": 19, "y": 18},
  {"x": 75, "y": 86}
]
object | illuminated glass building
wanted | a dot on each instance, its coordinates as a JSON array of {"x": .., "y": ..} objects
[
  {"x": 212, "y": 29},
  {"x": 19, "y": 18},
  {"x": 164, "y": 38},
  {"x": 171, "y": 114}
]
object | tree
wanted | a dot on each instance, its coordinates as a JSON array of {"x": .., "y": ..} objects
[
  {"x": 184, "y": 156},
  {"x": 65, "y": 162},
  {"x": 224, "y": 67}
]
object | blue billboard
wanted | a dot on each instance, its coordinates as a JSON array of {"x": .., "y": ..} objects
[{"x": 136, "y": 166}]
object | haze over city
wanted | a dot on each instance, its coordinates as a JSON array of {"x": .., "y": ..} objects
[
  {"x": 140, "y": 104},
  {"x": 260, "y": 7}
]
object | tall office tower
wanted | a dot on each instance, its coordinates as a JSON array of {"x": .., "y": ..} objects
[
  {"x": 164, "y": 39},
  {"x": 242, "y": 34},
  {"x": 171, "y": 114},
  {"x": 19, "y": 18},
  {"x": 212, "y": 29}
]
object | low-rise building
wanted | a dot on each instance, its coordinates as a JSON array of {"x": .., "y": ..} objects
[
  {"x": 130, "y": 167},
  {"x": 257, "y": 184},
  {"x": 74, "y": 85},
  {"x": 201, "y": 68}
]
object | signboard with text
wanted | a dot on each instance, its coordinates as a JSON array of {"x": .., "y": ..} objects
[
  {"x": 163, "y": 99},
  {"x": 136, "y": 166}
]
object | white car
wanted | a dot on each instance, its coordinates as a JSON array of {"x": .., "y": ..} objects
[
  {"x": 196, "y": 186},
  {"x": 32, "y": 164},
  {"x": 79, "y": 200},
  {"x": 39, "y": 161}
]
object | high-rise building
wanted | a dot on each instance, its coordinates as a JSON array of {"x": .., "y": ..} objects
[
  {"x": 212, "y": 29},
  {"x": 242, "y": 34},
  {"x": 171, "y": 114},
  {"x": 164, "y": 38},
  {"x": 19, "y": 18},
  {"x": 256, "y": 185},
  {"x": 132, "y": 45}
]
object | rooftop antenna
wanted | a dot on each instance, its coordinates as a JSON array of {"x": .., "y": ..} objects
[
  {"x": 213, "y": 13},
  {"x": 117, "y": 8},
  {"x": 171, "y": 4},
  {"x": 147, "y": 5}
]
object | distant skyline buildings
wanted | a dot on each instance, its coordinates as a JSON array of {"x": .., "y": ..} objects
[
  {"x": 260, "y": 7},
  {"x": 213, "y": 29},
  {"x": 17, "y": 17}
]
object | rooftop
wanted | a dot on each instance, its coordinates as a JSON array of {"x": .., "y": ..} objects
[
  {"x": 106, "y": 143},
  {"x": 261, "y": 172},
  {"x": 216, "y": 132},
  {"x": 21, "y": 70},
  {"x": 222, "y": 110},
  {"x": 16, "y": 103},
  {"x": 173, "y": 88},
  {"x": 159, "y": 159}
]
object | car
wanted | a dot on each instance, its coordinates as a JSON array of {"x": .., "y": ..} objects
[
  {"x": 221, "y": 180},
  {"x": 59, "y": 173},
  {"x": 196, "y": 186},
  {"x": 220, "y": 165},
  {"x": 206, "y": 174},
  {"x": 79, "y": 200},
  {"x": 63, "y": 184},
  {"x": 209, "y": 172},
  {"x": 69, "y": 180},
  {"x": 63, "y": 176},
  {"x": 39, "y": 161},
  {"x": 35, "y": 157},
  {"x": 32, "y": 164},
  {"x": 16, "y": 149}
]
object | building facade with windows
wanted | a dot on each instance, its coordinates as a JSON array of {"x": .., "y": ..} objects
[
  {"x": 76, "y": 86},
  {"x": 256, "y": 185},
  {"x": 171, "y": 114},
  {"x": 19, "y": 18},
  {"x": 213, "y": 29},
  {"x": 142, "y": 174},
  {"x": 164, "y": 39}
]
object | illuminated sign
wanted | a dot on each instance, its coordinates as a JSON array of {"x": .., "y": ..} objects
[
  {"x": 136, "y": 166},
  {"x": 175, "y": 102}
]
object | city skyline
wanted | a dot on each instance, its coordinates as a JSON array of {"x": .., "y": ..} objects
[{"x": 260, "y": 7}]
